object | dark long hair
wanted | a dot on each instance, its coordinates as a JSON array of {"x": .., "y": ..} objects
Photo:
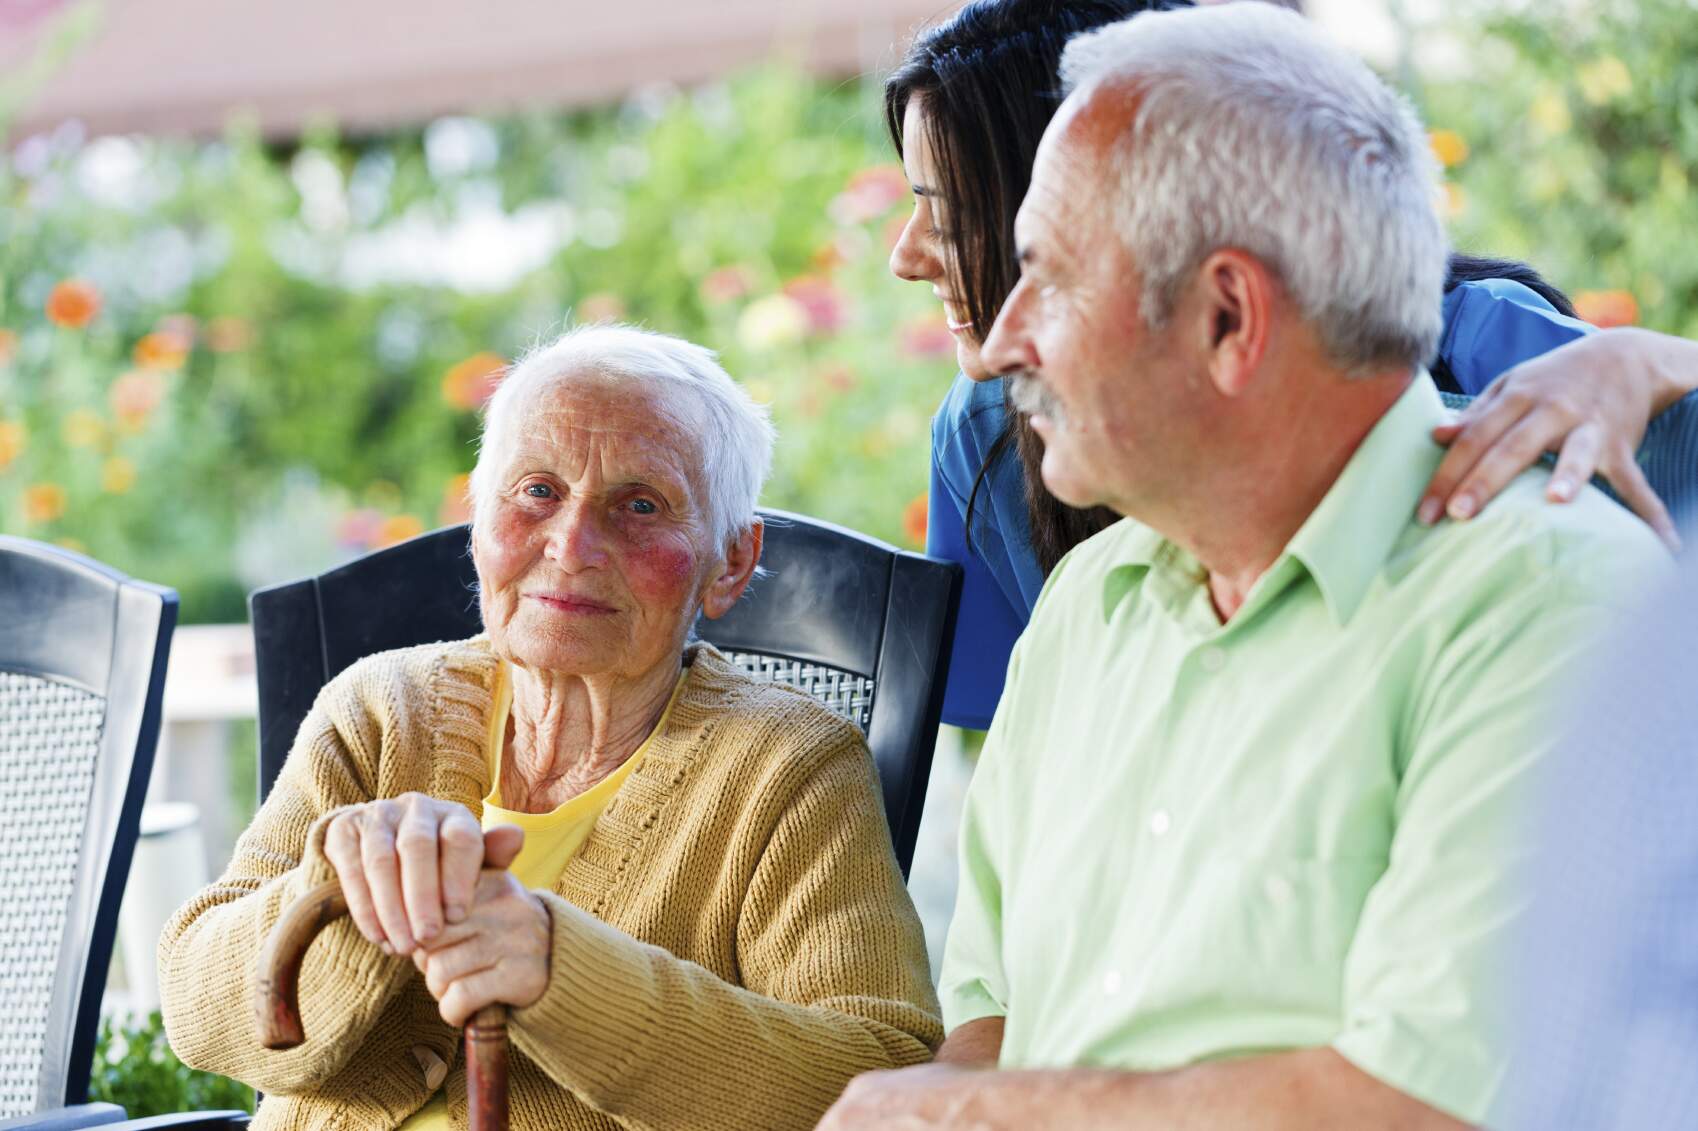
[{"x": 988, "y": 78}]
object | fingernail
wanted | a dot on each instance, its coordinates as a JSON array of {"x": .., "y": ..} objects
[
  {"x": 456, "y": 913},
  {"x": 1562, "y": 490},
  {"x": 1462, "y": 507},
  {"x": 1429, "y": 512}
]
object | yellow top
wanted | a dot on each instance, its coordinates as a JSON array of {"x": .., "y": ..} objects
[{"x": 551, "y": 838}]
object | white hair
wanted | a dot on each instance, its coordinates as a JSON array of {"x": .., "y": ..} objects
[
  {"x": 735, "y": 438},
  {"x": 1253, "y": 131}
]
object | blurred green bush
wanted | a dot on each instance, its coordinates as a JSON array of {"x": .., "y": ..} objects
[
  {"x": 1573, "y": 139},
  {"x": 135, "y": 1068},
  {"x": 226, "y": 364}
]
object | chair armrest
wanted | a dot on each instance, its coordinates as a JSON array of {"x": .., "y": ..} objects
[
  {"x": 185, "y": 1121},
  {"x": 66, "y": 1118}
]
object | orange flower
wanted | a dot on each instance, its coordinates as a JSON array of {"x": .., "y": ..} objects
[
  {"x": 229, "y": 334},
  {"x": 1448, "y": 146},
  {"x": 398, "y": 529},
  {"x": 43, "y": 502},
  {"x": 134, "y": 396},
  {"x": 8, "y": 346},
  {"x": 117, "y": 475},
  {"x": 13, "y": 440},
  {"x": 914, "y": 520},
  {"x": 472, "y": 382},
  {"x": 73, "y": 304},
  {"x": 1607, "y": 308},
  {"x": 161, "y": 350},
  {"x": 456, "y": 501}
]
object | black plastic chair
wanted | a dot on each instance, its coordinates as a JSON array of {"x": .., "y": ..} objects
[
  {"x": 857, "y": 623},
  {"x": 82, "y": 674}
]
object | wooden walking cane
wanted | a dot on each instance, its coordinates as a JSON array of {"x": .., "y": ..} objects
[{"x": 278, "y": 1014}]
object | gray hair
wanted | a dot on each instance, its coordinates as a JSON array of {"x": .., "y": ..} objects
[
  {"x": 736, "y": 436},
  {"x": 1253, "y": 131}
]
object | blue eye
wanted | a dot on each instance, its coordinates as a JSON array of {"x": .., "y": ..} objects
[
  {"x": 644, "y": 506},
  {"x": 539, "y": 490}
]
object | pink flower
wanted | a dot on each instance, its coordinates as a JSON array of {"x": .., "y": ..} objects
[
  {"x": 726, "y": 284},
  {"x": 823, "y": 304},
  {"x": 928, "y": 337},
  {"x": 870, "y": 194}
]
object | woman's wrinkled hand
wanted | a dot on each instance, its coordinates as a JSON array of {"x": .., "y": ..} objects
[
  {"x": 497, "y": 954},
  {"x": 410, "y": 866},
  {"x": 1589, "y": 401}
]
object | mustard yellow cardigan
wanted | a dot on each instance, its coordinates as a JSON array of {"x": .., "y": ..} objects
[{"x": 731, "y": 945}]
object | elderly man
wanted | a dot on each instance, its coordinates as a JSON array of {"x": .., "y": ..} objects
[
  {"x": 1242, "y": 842},
  {"x": 679, "y": 881}
]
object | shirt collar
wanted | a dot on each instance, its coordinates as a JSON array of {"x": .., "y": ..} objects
[{"x": 1345, "y": 541}]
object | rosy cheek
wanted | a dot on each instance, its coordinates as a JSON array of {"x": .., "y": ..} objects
[{"x": 660, "y": 567}]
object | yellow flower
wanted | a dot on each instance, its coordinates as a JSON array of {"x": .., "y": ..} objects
[
  {"x": 772, "y": 322},
  {"x": 117, "y": 475},
  {"x": 1604, "y": 80},
  {"x": 398, "y": 529},
  {"x": 1449, "y": 147},
  {"x": 43, "y": 502},
  {"x": 13, "y": 440},
  {"x": 83, "y": 429},
  {"x": 1549, "y": 112}
]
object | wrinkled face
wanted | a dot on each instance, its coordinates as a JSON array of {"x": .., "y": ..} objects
[
  {"x": 1106, "y": 393},
  {"x": 926, "y": 250},
  {"x": 593, "y": 543}
]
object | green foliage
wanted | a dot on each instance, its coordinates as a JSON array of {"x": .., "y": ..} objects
[
  {"x": 1581, "y": 122},
  {"x": 286, "y": 362},
  {"x": 135, "y": 1069}
]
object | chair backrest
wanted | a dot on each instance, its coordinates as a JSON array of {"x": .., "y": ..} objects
[
  {"x": 860, "y": 625},
  {"x": 1668, "y": 455},
  {"x": 82, "y": 674}
]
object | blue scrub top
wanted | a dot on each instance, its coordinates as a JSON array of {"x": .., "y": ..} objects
[{"x": 1489, "y": 327}]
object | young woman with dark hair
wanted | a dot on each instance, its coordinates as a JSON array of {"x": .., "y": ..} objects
[{"x": 966, "y": 109}]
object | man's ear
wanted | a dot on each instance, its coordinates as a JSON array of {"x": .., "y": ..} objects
[
  {"x": 1236, "y": 293},
  {"x": 741, "y": 558}
]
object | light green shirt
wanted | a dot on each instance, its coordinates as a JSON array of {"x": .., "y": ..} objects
[{"x": 1187, "y": 841}]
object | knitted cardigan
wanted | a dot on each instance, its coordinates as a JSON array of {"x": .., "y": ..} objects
[{"x": 732, "y": 943}]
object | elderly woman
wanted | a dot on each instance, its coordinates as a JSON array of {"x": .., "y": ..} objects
[{"x": 679, "y": 881}]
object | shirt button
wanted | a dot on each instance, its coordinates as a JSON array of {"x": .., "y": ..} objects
[
  {"x": 435, "y": 1069},
  {"x": 1160, "y": 822},
  {"x": 1111, "y": 983},
  {"x": 1213, "y": 660}
]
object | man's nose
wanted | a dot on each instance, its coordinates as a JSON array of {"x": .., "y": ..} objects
[{"x": 1008, "y": 346}]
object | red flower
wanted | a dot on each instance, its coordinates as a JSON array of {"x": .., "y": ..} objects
[{"x": 914, "y": 520}]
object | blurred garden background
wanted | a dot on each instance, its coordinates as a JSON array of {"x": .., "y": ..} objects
[{"x": 240, "y": 347}]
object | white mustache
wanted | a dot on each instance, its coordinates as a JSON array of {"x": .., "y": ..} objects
[{"x": 1031, "y": 398}]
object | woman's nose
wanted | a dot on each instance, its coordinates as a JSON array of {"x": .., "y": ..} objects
[
  {"x": 913, "y": 258},
  {"x": 577, "y": 540}
]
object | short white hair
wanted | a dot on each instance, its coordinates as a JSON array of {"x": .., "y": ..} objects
[
  {"x": 736, "y": 434},
  {"x": 1253, "y": 131}
]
